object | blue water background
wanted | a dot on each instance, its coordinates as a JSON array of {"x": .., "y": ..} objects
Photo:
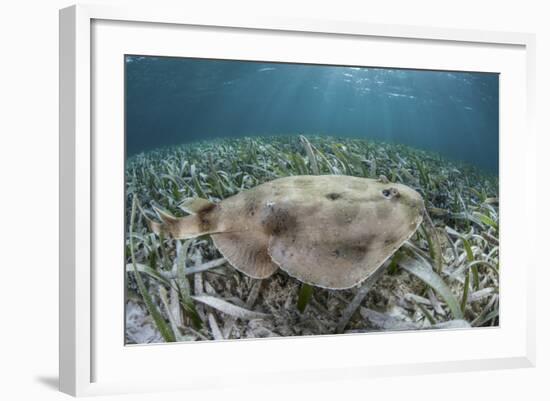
[{"x": 172, "y": 101}]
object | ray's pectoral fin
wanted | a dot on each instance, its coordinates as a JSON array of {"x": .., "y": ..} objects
[
  {"x": 330, "y": 264},
  {"x": 246, "y": 251}
]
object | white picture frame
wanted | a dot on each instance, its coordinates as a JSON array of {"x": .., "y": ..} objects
[{"x": 91, "y": 362}]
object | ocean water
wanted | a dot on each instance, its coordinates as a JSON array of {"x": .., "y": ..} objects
[
  {"x": 191, "y": 102},
  {"x": 171, "y": 101}
]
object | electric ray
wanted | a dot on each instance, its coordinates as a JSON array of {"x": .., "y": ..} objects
[{"x": 328, "y": 231}]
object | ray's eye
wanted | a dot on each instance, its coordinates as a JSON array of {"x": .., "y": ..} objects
[{"x": 390, "y": 193}]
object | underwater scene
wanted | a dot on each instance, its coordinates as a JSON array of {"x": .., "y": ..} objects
[{"x": 268, "y": 199}]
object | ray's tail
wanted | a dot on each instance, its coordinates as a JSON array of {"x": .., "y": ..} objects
[
  {"x": 202, "y": 220},
  {"x": 178, "y": 228}
]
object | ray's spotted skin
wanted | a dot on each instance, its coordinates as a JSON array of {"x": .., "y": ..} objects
[{"x": 329, "y": 231}]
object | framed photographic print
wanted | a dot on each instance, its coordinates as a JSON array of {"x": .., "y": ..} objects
[{"x": 341, "y": 194}]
